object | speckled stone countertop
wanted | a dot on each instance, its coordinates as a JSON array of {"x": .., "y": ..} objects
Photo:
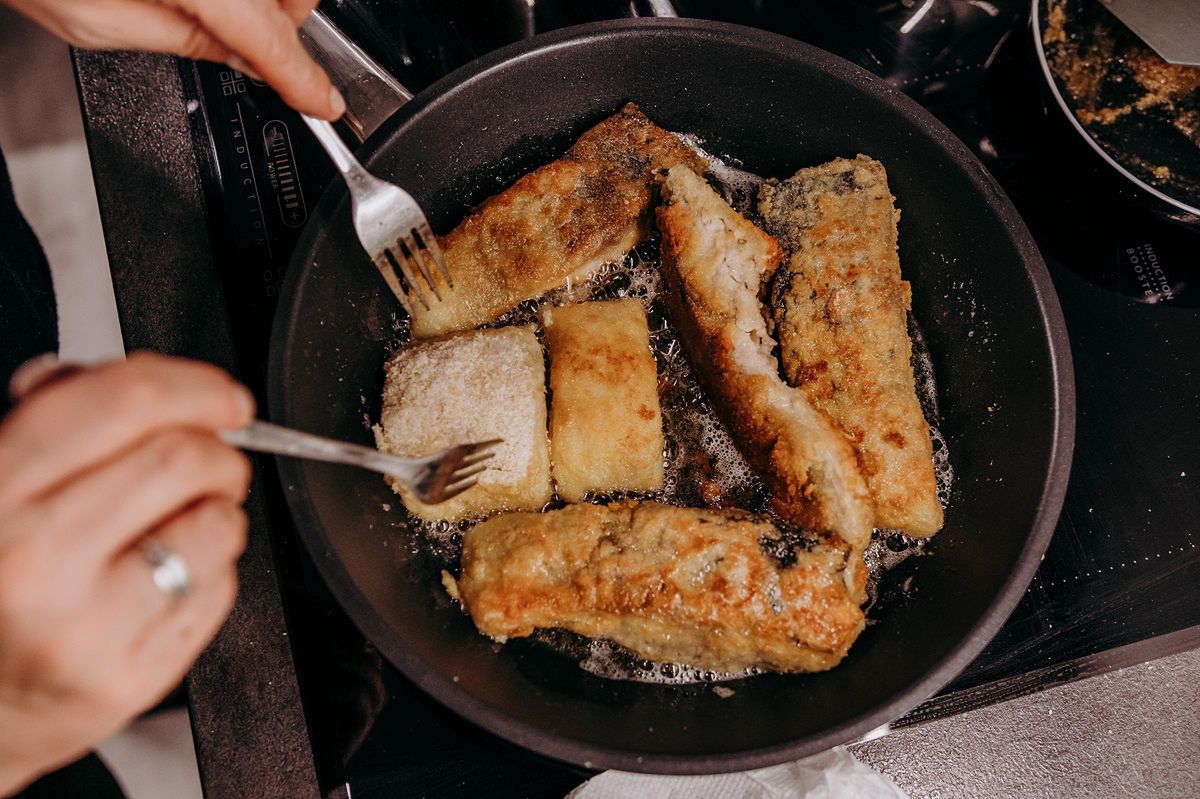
[{"x": 1128, "y": 733}]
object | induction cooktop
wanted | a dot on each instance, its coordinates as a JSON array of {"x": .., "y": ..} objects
[{"x": 1117, "y": 583}]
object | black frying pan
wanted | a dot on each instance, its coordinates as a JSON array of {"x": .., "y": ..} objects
[
  {"x": 980, "y": 291},
  {"x": 1105, "y": 87}
]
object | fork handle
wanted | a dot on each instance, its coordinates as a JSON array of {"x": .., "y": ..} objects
[
  {"x": 277, "y": 440},
  {"x": 356, "y": 176}
]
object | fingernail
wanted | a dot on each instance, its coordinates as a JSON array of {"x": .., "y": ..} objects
[
  {"x": 246, "y": 402},
  {"x": 239, "y": 63},
  {"x": 31, "y": 374},
  {"x": 337, "y": 104}
]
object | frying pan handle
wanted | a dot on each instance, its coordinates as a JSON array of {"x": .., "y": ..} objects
[{"x": 372, "y": 94}]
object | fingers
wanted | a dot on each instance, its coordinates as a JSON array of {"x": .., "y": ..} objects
[
  {"x": 124, "y": 681},
  {"x": 163, "y": 30},
  {"x": 161, "y": 655},
  {"x": 209, "y": 536},
  {"x": 298, "y": 10},
  {"x": 102, "y": 511},
  {"x": 263, "y": 34},
  {"x": 33, "y": 373},
  {"x": 76, "y": 422},
  {"x": 133, "y": 24}
]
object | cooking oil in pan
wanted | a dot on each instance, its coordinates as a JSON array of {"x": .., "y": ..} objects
[{"x": 703, "y": 467}]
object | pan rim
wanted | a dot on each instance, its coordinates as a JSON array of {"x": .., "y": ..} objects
[
  {"x": 440, "y": 686},
  {"x": 1035, "y": 28}
]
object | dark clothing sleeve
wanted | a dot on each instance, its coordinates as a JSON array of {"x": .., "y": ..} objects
[
  {"x": 28, "y": 321},
  {"x": 86, "y": 778}
]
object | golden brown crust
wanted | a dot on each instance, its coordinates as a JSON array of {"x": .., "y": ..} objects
[
  {"x": 605, "y": 421},
  {"x": 839, "y": 309},
  {"x": 568, "y": 217},
  {"x": 715, "y": 262},
  {"x": 672, "y": 584}
]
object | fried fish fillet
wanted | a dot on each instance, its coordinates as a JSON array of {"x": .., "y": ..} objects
[
  {"x": 715, "y": 263},
  {"x": 605, "y": 420},
  {"x": 839, "y": 308},
  {"x": 672, "y": 584},
  {"x": 475, "y": 386},
  {"x": 560, "y": 221}
]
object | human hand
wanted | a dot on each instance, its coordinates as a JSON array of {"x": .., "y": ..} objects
[
  {"x": 255, "y": 36},
  {"x": 94, "y": 465}
]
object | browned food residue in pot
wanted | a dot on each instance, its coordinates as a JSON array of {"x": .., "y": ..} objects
[{"x": 1123, "y": 92}]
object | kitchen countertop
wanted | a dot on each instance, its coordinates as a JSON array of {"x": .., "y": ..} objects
[
  {"x": 1133, "y": 732},
  {"x": 1128, "y": 732}
]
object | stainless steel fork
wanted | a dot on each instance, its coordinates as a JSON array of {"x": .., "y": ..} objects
[
  {"x": 433, "y": 478},
  {"x": 390, "y": 224}
]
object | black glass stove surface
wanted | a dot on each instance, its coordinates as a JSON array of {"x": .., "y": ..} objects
[{"x": 1120, "y": 573}]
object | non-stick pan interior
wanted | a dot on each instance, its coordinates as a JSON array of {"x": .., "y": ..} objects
[
  {"x": 980, "y": 292},
  {"x": 1138, "y": 112}
]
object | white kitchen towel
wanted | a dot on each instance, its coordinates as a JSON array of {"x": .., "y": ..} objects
[{"x": 830, "y": 775}]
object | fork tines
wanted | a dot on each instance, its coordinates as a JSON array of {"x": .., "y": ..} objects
[
  {"x": 456, "y": 470},
  {"x": 427, "y": 242},
  {"x": 412, "y": 256}
]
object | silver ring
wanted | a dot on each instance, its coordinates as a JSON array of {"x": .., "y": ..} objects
[{"x": 168, "y": 570}]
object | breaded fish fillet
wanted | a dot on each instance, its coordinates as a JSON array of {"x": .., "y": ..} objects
[
  {"x": 475, "y": 386},
  {"x": 562, "y": 220},
  {"x": 672, "y": 584},
  {"x": 839, "y": 308},
  {"x": 605, "y": 421},
  {"x": 715, "y": 263}
]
